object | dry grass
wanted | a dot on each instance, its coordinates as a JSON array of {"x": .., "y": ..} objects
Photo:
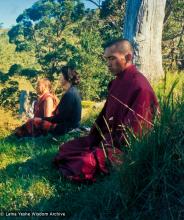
[{"x": 8, "y": 122}]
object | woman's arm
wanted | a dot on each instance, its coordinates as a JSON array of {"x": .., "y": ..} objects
[{"x": 48, "y": 107}]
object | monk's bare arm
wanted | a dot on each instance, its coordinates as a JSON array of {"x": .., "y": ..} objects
[{"x": 48, "y": 107}]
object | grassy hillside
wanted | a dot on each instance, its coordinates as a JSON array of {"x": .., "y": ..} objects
[
  {"x": 149, "y": 185},
  {"x": 26, "y": 165}
]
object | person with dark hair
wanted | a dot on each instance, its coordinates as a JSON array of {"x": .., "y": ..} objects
[
  {"x": 130, "y": 107},
  {"x": 67, "y": 115},
  {"x": 68, "y": 112}
]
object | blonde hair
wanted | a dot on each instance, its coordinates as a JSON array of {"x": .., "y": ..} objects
[{"x": 45, "y": 84}]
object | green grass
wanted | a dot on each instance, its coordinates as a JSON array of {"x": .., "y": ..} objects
[
  {"x": 28, "y": 175},
  {"x": 27, "y": 179},
  {"x": 148, "y": 186}
]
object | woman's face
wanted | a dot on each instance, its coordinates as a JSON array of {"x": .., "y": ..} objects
[{"x": 40, "y": 88}]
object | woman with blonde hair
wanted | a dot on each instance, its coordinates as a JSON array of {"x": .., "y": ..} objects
[
  {"x": 45, "y": 106},
  {"x": 47, "y": 100}
]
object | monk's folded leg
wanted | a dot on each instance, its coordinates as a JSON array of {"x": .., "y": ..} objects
[
  {"x": 75, "y": 147},
  {"x": 106, "y": 157},
  {"x": 78, "y": 161},
  {"x": 79, "y": 167}
]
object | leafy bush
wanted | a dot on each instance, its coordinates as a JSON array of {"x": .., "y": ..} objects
[
  {"x": 15, "y": 69},
  {"x": 29, "y": 72},
  {"x": 9, "y": 95}
]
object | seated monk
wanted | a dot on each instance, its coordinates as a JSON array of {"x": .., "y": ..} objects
[
  {"x": 67, "y": 115},
  {"x": 47, "y": 101},
  {"x": 131, "y": 104}
]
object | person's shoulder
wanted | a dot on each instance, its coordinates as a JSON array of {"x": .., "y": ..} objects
[
  {"x": 47, "y": 95},
  {"x": 71, "y": 93},
  {"x": 74, "y": 91},
  {"x": 49, "y": 98}
]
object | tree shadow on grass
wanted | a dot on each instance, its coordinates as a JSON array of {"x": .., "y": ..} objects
[
  {"x": 40, "y": 166},
  {"x": 84, "y": 202},
  {"x": 42, "y": 141},
  {"x": 66, "y": 194}
]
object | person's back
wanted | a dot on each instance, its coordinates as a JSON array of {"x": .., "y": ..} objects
[
  {"x": 73, "y": 116},
  {"x": 68, "y": 113}
]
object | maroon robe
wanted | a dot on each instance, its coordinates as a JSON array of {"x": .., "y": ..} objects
[
  {"x": 36, "y": 126},
  {"x": 39, "y": 106},
  {"x": 131, "y": 103}
]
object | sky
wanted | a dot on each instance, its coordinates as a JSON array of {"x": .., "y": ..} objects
[{"x": 11, "y": 9}]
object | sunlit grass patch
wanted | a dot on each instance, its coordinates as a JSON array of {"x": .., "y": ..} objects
[
  {"x": 40, "y": 189},
  {"x": 9, "y": 154},
  {"x": 90, "y": 111},
  {"x": 8, "y": 122},
  {"x": 163, "y": 87},
  {"x": 10, "y": 159},
  {"x": 19, "y": 193}
]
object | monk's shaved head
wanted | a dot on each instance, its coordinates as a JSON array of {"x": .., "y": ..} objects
[
  {"x": 119, "y": 55},
  {"x": 122, "y": 46}
]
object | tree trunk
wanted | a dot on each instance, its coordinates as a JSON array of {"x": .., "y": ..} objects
[{"x": 143, "y": 27}]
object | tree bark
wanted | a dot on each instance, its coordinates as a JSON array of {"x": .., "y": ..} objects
[{"x": 143, "y": 27}]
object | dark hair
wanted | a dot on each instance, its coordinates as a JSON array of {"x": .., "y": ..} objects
[
  {"x": 121, "y": 45},
  {"x": 70, "y": 74},
  {"x": 116, "y": 41}
]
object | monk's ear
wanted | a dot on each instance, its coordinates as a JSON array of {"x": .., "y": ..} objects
[{"x": 128, "y": 57}]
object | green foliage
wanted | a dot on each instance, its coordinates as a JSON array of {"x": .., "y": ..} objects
[
  {"x": 112, "y": 18},
  {"x": 41, "y": 28},
  {"x": 53, "y": 33},
  {"x": 93, "y": 70},
  {"x": 9, "y": 57},
  {"x": 15, "y": 69},
  {"x": 163, "y": 87},
  {"x": 9, "y": 95},
  {"x": 29, "y": 72},
  {"x": 3, "y": 78},
  {"x": 173, "y": 35}
]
